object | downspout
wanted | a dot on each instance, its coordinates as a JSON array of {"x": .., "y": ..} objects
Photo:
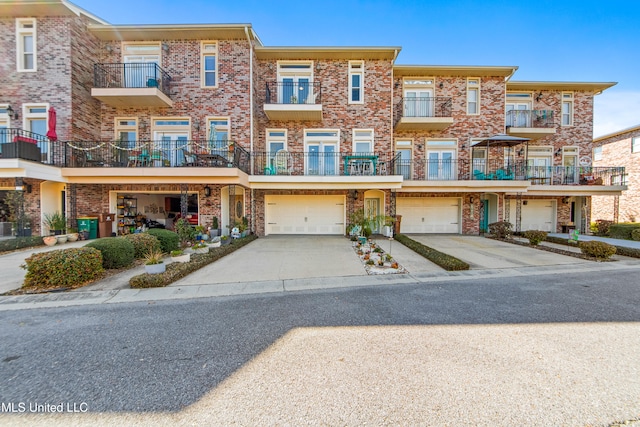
[{"x": 251, "y": 160}]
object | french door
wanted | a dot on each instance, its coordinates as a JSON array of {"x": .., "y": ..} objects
[
  {"x": 170, "y": 146},
  {"x": 518, "y": 114},
  {"x": 418, "y": 103},
  {"x": 441, "y": 165},
  {"x": 322, "y": 159},
  {"x": 294, "y": 90},
  {"x": 141, "y": 70}
]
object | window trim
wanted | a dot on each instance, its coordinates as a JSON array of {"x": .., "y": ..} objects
[
  {"x": 117, "y": 127},
  {"x": 203, "y": 70},
  {"x": 208, "y": 121},
  {"x": 472, "y": 86},
  {"x": 20, "y": 52},
  {"x": 635, "y": 144},
  {"x": 368, "y": 139},
  {"x": 597, "y": 153},
  {"x": 567, "y": 98},
  {"x": 353, "y": 72}
]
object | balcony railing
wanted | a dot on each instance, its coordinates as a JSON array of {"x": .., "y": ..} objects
[
  {"x": 439, "y": 106},
  {"x": 293, "y": 93},
  {"x": 323, "y": 164},
  {"x": 131, "y": 75},
  {"x": 176, "y": 153},
  {"x": 20, "y": 144},
  {"x": 530, "y": 119}
]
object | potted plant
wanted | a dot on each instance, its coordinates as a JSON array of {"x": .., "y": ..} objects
[
  {"x": 21, "y": 223},
  {"x": 153, "y": 263},
  {"x": 200, "y": 248},
  {"x": 224, "y": 240},
  {"x": 215, "y": 242},
  {"x": 201, "y": 233},
  {"x": 56, "y": 222},
  {"x": 180, "y": 256},
  {"x": 72, "y": 234},
  {"x": 186, "y": 232},
  {"x": 215, "y": 231},
  {"x": 50, "y": 240}
]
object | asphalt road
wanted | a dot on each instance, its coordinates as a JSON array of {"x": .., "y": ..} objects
[{"x": 546, "y": 350}]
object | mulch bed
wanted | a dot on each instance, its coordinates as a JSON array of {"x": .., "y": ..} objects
[{"x": 552, "y": 249}]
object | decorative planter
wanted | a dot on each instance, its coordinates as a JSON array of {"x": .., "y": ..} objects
[
  {"x": 155, "y": 268},
  {"x": 201, "y": 250},
  {"x": 50, "y": 240},
  {"x": 72, "y": 237},
  {"x": 214, "y": 244},
  {"x": 62, "y": 238},
  {"x": 181, "y": 258},
  {"x": 214, "y": 232},
  {"x": 244, "y": 233},
  {"x": 225, "y": 242}
]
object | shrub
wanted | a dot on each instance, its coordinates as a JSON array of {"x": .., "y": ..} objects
[
  {"x": 169, "y": 240},
  {"x": 535, "y": 236},
  {"x": 622, "y": 231},
  {"x": 117, "y": 252},
  {"x": 63, "y": 268},
  {"x": 143, "y": 243},
  {"x": 178, "y": 270},
  {"x": 596, "y": 249},
  {"x": 445, "y": 261},
  {"x": 502, "y": 229},
  {"x": 635, "y": 234},
  {"x": 19, "y": 243},
  {"x": 601, "y": 227}
]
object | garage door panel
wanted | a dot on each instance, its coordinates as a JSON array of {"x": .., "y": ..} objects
[
  {"x": 429, "y": 215},
  {"x": 535, "y": 215},
  {"x": 304, "y": 214}
]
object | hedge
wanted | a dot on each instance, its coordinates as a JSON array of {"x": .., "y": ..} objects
[
  {"x": 445, "y": 261},
  {"x": 169, "y": 240},
  {"x": 143, "y": 243},
  {"x": 20, "y": 243},
  {"x": 117, "y": 252},
  {"x": 597, "y": 249},
  {"x": 63, "y": 268},
  {"x": 620, "y": 250},
  {"x": 178, "y": 270},
  {"x": 623, "y": 231},
  {"x": 535, "y": 236}
]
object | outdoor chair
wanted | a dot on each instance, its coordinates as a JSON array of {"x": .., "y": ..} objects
[{"x": 283, "y": 162}]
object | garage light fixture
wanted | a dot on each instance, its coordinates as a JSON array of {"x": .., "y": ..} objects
[
  {"x": 207, "y": 191},
  {"x": 353, "y": 194}
]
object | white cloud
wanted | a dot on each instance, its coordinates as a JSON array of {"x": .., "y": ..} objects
[{"x": 615, "y": 111}]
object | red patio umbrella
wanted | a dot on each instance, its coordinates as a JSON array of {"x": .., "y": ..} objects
[{"x": 51, "y": 132}]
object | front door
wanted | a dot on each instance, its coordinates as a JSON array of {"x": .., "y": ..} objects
[
  {"x": 372, "y": 211},
  {"x": 484, "y": 216}
]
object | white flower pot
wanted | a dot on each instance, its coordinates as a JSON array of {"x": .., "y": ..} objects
[
  {"x": 214, "y": 244},
  {"x": 155, "y": 268},
  {"x": 72, "y": 237},
  {"x": 62, "y": 238},
  {"x": 181, "y": 258},
  {"x": 201, "y": 250}
]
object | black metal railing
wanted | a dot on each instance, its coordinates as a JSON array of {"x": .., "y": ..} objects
[
  {"x": 529, "y": 118},
  {"x": 430, "y": 106},
  {"x": 176, "y": 153},
  {"x": 21, "y": 144},
  {"x": 293, "y": 93},
  {"x": 131, "y": 75},
  {"x": 323, "y": 164}
]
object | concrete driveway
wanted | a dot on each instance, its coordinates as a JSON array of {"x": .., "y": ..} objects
[{"x": 482, "y": 253}]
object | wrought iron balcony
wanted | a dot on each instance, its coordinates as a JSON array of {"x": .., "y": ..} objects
[
  {"x": 426, "y": 113},
  {"x": 20, "y": 144},
  {"x": 323, "y": 164},
  {"x": 300, "y": 100},
  {"x": 531, "y": 124},
  {"x": 157, "y": 154},
  {"x": 132, "y": 84}
]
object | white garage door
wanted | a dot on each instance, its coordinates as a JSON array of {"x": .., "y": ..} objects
[
  {"x": 304, "y": 215},
  {"x": 536, "y": 215},
  {"x": 429, "y": 215}
]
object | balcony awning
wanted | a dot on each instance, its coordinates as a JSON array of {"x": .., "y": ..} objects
[{"x": 501, "y": 140}]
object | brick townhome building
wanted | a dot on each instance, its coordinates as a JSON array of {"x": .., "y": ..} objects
[
  {"x": 204, "y": 120},
  {"x": 619, "y": 148}
]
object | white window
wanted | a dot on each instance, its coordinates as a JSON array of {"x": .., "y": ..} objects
[
  {"x": 323, "y": 152},
  {"x": 356, "y": 82},
  {"x": 597, "y": 153},
  {"x": 635, "y": 144},
  {"x": 363, "y": 141},
  {"x": 295, "y": 83},
  {"x": 473, "y": 95},
  {"x": 142, "y": 64},
  {"x": 171, "y": 140},
  {"x": 567, "y": 108},
  {"x": 35, "y": 120},
  {"x": 441, "y": 159},
  {"x": 208, "y": 64},
  {"x": 126, "y": 131},
  {"x": 404, "y": 147},
  {"x": 418, "y": 97},
  {"x": 26, "y": 44},
  {"x": 518, "y": 109},
  {"x": 276, "y": 141}
]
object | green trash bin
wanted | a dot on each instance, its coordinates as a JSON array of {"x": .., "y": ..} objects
[{"x": 90, "y": 225}]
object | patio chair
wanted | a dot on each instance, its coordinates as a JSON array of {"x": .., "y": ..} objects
[
  {"x": 479, "y": 175},
  {"x": 283, "y": 162},
  {"x": 503, "y": 174}
]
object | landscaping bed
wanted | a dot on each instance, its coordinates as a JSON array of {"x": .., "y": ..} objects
[{"x": 441, "y": 259}]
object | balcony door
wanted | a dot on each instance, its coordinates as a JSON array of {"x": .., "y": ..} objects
[
  {"x": 418, "y": 103},
  {"x": 140, "y": 65},
  {"x": 441, "y": 165},
  {"x": 518, "y": 114},
  {"x": 170, "y": 146},
  {"x": 294, "y": 82},
  {"x": 322, "y": 149}
]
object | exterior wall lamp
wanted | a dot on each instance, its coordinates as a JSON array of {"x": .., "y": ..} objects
[
  {"x": 13, "y": 114},
  {"x": 353, "y": 194},
  {"x": 207, "y": 191}
]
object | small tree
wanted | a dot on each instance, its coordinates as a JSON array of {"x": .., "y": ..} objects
[{"x": 186, "y": 233}]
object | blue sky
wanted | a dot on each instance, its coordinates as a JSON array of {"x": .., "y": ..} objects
[{"x": 561, "y": 40}]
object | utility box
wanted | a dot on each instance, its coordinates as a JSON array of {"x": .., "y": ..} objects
[
  {"x": 105, "y": 224},
  {"x": 88, "y": 225}
]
